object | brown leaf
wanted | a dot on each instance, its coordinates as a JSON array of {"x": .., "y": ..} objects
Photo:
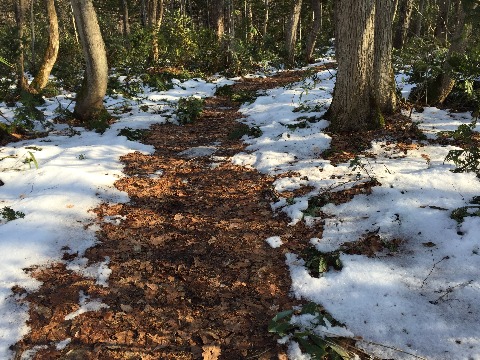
[{"x": 211, "y": 352}]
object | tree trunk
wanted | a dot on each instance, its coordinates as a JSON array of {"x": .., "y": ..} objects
[
  {"x": 154, "y": 22},
  {"x": 441, "y": 28},
  {"x": 265, "y": 25},
  {"x": 316, "y": 27},
  {"x": 33, "y": 39},
  {"x": 419, "y": 18},
  {"x": 218, "y": 12},
  {"x": 354, "y": 40},
  {"x": 20, "y": 8},
  {"x": 404, "y": 16},
  {"x": 125, "y": 18},
  {"x": 89, "y": 102},
  {"x": 443, "y": 85},
  {"x": 384, "y": 87},
  {"x": 291, "y": 31},
  {"x": 50, "y": 56}
]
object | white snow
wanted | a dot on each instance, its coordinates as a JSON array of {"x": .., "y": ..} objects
[
  {"x": 421, "y": 297},
  {"x": 274, "y": 241},
  {"x": 86, "y": 304}
]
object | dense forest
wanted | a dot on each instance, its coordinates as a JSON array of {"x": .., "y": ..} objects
[
  {"x": 151, "y": 41},
  {"x": 239, "y": 179}
]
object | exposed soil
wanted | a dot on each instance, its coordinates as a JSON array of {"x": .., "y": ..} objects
[{"x": 192, "y": 276}]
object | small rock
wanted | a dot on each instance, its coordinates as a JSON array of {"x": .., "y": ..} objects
[
  {"x": 126, "y": 308},
  {"x": 1, "y": 183}
]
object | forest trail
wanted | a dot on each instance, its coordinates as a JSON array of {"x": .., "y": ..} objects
[{"x": 192, "y": 276}]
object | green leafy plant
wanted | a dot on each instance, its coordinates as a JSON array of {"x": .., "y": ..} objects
[
  {"x": 9, "y": 214},
  {"x": 189, "y": 109},
  {"x": 358, "y": 163},
  {"x": 26, "y": 114},
  {"x": 133, "y": 134},
  {"x": 242, "y": 130},
  {"x": 461, "y": 213},
  {"x": 319, "y": 345},
  {"x": 468, "y": 158},
  {"x": 29, "y": 159},
  {"x": 224, "y": 90},
  {"x": 318, "y": 262}
]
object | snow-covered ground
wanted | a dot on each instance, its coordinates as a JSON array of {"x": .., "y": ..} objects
[
  {"x": 423, "y": 299},
  {"x": 76, "y": 171}
]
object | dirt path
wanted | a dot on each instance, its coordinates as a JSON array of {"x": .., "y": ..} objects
[{"x": 192, "y": 276}]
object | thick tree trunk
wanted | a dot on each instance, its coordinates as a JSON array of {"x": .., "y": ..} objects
[
  {"x": 291, "y": 31},
  {"x": 316, "y": 27},
  {"x": 404, "y": 16},
  {"x": 20, "y": 8},
  {"x": 89, "y": 101},
  {"x": 354, "y": 40},
  {"x": 50, "y": 56},
  {"x": 384, "y": 86}
]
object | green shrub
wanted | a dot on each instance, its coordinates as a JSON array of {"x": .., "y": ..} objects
[
  {"x": 241, "y": 130},
  {"x": 468, "y": 158},
  {"x": 318, "y": 347},
  {"x": 189, "y": 109},
  {"x": 9, "y": 214}
]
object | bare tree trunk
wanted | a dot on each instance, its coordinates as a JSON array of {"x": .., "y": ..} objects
[
  {"x": 143, "y": 13},
  {"x": 419, "y": 18},
  {"x": 265, "y": 25},
  {"x": 443, "y": 85},
  {"x": 291, "y": 31},
  {"x": 125, "y": 18},
  {"x": 89, "y": 102},
  {"x": 218, "y": 12},
  {"x": 33, "y": 40},
  {"x": 354, "y": 40},
  {"x": 50, "y": 56},
  {"x": 20, "y": 8},
  {"x": 404, "y": 16},
  {"x": 441, "y": 29},
  {"x": 316, "y": 27},
  {"x": 384, "y": 94}
]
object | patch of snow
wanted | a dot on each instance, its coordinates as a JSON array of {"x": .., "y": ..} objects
[
  {"x": 86, "y": 304},
  {"x": 274, "y": 241}
]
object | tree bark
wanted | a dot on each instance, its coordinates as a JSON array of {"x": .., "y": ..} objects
[
  {"x": 89, "y": 102},
  {"x": 441, "y": 29},
  {"x": 50, "y": 56},
  {"x": 419, "y": 18},
  {"x": 404, "y": 16},
  {"x": 20, "y": 8},
  {"x": 125, "y": 18},
  {"x": 291, "y": 31},
  {"x": 154, "y": 22},
  {"x": 218, "y": 12},
  {"x": 316, "y": 27},
  {"x": 354, "y": 41},
  {"x": 443, "y": 85},
  {"x": 384, "y": 86},
  {"x": 267, "y": 11}
]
